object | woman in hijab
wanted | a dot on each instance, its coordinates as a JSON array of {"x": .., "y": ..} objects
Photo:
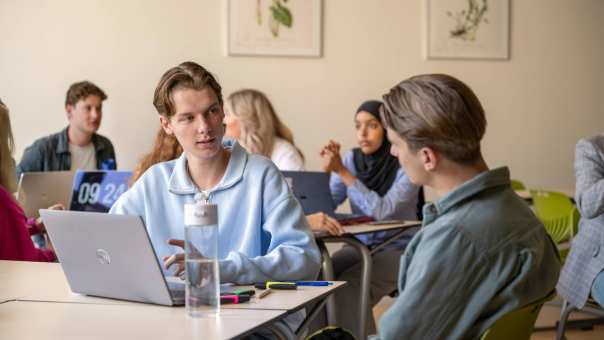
[{"x": 371, "y": 178}]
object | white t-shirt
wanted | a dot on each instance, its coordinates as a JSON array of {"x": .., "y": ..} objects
[
  {"x": 286, "y": 157},
  {"x": 82, "y": 157}
]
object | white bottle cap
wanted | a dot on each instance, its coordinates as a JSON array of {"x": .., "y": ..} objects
[{"x": 201, "y": 214}]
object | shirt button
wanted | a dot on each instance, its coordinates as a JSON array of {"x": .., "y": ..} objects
[{"x": 595, "y": 250}]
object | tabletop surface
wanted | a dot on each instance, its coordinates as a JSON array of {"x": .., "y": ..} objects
[
  {"x": 38, "y": 281},
  {"x": 287, "y": 299},
  {"x": 26, "y": 320},
  {"x": 365, "y": 228}
]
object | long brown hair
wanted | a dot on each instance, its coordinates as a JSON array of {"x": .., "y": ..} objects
[
  {"x": 7, "y": 145},
  {"x": 165, "y": 148}
]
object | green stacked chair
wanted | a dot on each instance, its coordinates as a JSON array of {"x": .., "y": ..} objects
[
  {"x": 518, "y": 185},
  {"x": 517, "y": 324},
  {"x": 558, "y": 214}
]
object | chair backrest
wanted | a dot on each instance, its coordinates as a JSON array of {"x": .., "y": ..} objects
[
  {"x": 518, "y": 185},
  {"x": 517, "y": 324},
  {"x": 557, "y": 212}
]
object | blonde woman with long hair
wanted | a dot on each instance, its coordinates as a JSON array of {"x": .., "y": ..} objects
[{"x": 252, "y": 121}]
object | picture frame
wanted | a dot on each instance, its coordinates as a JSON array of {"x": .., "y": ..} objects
[
  {"x": 273, "y": 28},
  {"x": 467, "y": 29}
]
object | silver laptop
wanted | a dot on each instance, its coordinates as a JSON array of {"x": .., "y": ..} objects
[
  {"x": 110, "y": 256},
  {"x": 40, "y": 190}
]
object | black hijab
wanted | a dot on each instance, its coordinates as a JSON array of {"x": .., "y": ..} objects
[{"x": 378, "y": 170}]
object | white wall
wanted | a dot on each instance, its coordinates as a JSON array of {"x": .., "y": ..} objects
[{"x": 538, "y": 103}]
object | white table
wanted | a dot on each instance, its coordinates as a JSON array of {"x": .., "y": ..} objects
[
  {"x": 40, "y": 281},
  {"x": 287, "y": 299},
  {"x": 365, "y": 228},
  {"x": 291, "y": 300},
  {"x": 42, "y": 320},
  {"x": 349, "y": 238},
  {"x": 46, "y": 282}
]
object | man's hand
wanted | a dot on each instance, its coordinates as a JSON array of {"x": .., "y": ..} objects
[{"x": 177, "y": 259}]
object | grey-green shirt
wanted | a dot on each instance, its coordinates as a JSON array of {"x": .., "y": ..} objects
[{"x": 480, "y": 254}]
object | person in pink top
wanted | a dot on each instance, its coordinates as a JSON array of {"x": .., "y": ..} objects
[{"x": 15, "y": 228}]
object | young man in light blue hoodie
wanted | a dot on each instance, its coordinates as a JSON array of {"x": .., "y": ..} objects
[{"x": 263, "y": 234}]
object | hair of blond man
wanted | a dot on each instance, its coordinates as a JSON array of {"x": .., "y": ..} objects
[
  {"x": 7, "y": 145},
  {"x": 259, "y": 123},
  {"x": 165, "y": 148},
  {"x": 437, "y": 111},
  {"x": 81, "y": 90},
  {"x": 187, "y": 75}
]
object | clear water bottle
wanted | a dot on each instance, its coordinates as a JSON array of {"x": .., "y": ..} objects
[{"x": 202, "y": 294}]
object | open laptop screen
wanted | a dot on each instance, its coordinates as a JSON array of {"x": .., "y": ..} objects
[
  {"x": 98, "y": 190},
  {"x": 312, "y": 190},
  {"x": 109, "y": 256},
  {"x": 40, "y": 190}
]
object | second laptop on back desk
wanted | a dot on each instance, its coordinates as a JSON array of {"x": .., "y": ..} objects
[
  {"x": 312, "y": 190},
  {"x": 80, "y": 190}
]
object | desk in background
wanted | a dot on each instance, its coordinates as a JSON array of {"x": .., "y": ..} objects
[{"x": 526, "y": 194}]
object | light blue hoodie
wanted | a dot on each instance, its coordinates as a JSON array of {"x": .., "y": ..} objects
[{"x": 263, "y": 234}]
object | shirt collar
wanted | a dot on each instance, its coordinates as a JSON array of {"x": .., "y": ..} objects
[
  {"x": 63, "y": 142},
  {"x": 180, "y": 182},
  {"x": 486, "y": 180}
]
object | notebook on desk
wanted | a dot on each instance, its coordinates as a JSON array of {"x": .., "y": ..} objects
[
  {"x": 40, "y": 190},
  {"x": 110, "y": 256}
]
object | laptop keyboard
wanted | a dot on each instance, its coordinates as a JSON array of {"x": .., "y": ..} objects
[
  {"x": 177, "y": 294},
  {"x": 176, "y": 287}
]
